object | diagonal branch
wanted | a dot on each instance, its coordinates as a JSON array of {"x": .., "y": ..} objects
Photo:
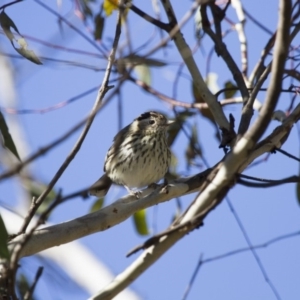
[
  {"x": 124, "y": 207},
  {"x": 198, "y": 81},
  {"x": 225, "y": 171},
  {"x": 280, "y": 53},
  {"x": 221, "y": 50},
  {"x": 173, "y": 29}
]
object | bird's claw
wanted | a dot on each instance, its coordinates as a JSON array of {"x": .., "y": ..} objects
[{"x": 165, "y": 187}]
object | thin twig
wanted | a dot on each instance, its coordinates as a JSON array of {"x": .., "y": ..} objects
[
  {"x": 287, "y": 154},
  {"x": 246, "y": 249},
  {"x": 267, "y": 182},
  {"x": 101, "y": 93},
  {"x": 280, "y": 53},
  {"x": 9, "y": 4},
  {"x": 15, "y": 254},
  {"x": 84, "y": 36},
  {"x": 29, "y": 293},
  {"x": 254, "y": 253},
  {"x": 196, "y": 271},
  {"x": 240, "y": 28},
  {"x": 221, "y": 50}
]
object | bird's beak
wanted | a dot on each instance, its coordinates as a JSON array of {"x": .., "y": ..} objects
[{"x": 170, "y": 122}]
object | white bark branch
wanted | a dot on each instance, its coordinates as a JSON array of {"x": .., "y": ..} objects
[
  {"x": 230, "y": 166},
  {"x": 124, "y": 207},
  {"x": 191, "y": 65}
]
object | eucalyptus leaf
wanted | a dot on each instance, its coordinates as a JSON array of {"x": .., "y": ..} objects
[
  {"x": 4, "y": 253},
  {"x": 6, "y": 23},
  {"x": 35, "y": 188},
  {"x": 143, "y": 73},
  {"x": 29, "y": 54},
  {"x": 298, "y": 192},
  {"x": 23, "y": 285},
  {"x": 8, "y": 141},
  {"x": 98, "y": 204},
  {"x": 175, "y": 128},
  {"x": 231, "y": 89},
  {"x": 99, "y": 26},
  {"x": 140, "y": 222},
  {"x": 134, "y": 60}
]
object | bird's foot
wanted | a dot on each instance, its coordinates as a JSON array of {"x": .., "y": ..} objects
[
  {"x": 165, "y": 187},
  {"x": 136, "y": 194},
  {"x": 153, "y": 186}
]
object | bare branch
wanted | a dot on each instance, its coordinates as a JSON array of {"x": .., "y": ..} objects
[
  {"x": 267, "y": 182},
  {"x": 221, "y": 50},
  {"x": 124, "y": 207},
  {"x": 218, "y": 186},
  {"x": 240, "y": 28},
  {"x": 280, "y": 52},
  {"x": 187, "y": 57},
  {"x": 18, "y": 247}
]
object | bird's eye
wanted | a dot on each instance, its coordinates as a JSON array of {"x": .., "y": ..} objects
[{"x": 151, "y": 122}]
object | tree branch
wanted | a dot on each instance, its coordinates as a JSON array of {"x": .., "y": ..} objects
[
  {"x": 280, "y": 53},
  {"x": 23, "y": 240},
  {"x": 214, "y": 191},
  {"x": 124, "y": 207}
]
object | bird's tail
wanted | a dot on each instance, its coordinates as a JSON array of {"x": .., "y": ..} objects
[{"x": 101, "y": 186}]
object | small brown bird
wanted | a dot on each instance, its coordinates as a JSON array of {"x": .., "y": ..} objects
[{"x": 139, "y": 155}]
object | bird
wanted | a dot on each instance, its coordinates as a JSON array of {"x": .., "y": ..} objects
[{"x": 139, "y": 155}]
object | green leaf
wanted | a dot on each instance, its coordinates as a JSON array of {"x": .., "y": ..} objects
[
  {"x": 298, "y": 192},
  {"x": 144, "y": 74},
  {"x": 29, "y": 54},
  {"x": 135, "y": 60},
  {"x": 109, "y": 6},
  {"x": 192, "y": 150},
  {"x": 4, "y": 253},
  {"x": 99, "y": 26},
  {"x": 23, "y": 285},
  {"x": 175, "y": 128},
  {"x": 98, "y": 204},
  {"x": 8, "y": 141},
  {"x": 35, "y": 188},
  {"x": 232, "y": 89},
  {"x": 140, "y": 222},
  {"x": 6, "y": 23},
  {"x": 85, "y": 8}
]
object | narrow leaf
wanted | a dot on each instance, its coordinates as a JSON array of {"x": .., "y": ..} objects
[
  {"x": 175, "y": 128},
  {"x": 35, "y": 187},
  {"x": 4, "y": 253},
  {"x": 99, "y": 26},
  {"x": 134, "y": 59},
  {"x": 143, "y": 73},
  {"x": 298, "y": 192},
  {"x": 98, "y": 204},
  {"x": 193, "y": 150},
  {"x": 232, "y": 89},
  {"x": 6, "y": 23},
  {"x": 109, "y": 6},
  {"x": 29, "y": 54},
  {"x": 140, "y": 222},
  {"x": 23, "y": 285},
  {"x": 8, "y": 141}
]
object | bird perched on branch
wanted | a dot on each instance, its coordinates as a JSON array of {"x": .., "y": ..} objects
[{"x": 139, "y": 155}]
